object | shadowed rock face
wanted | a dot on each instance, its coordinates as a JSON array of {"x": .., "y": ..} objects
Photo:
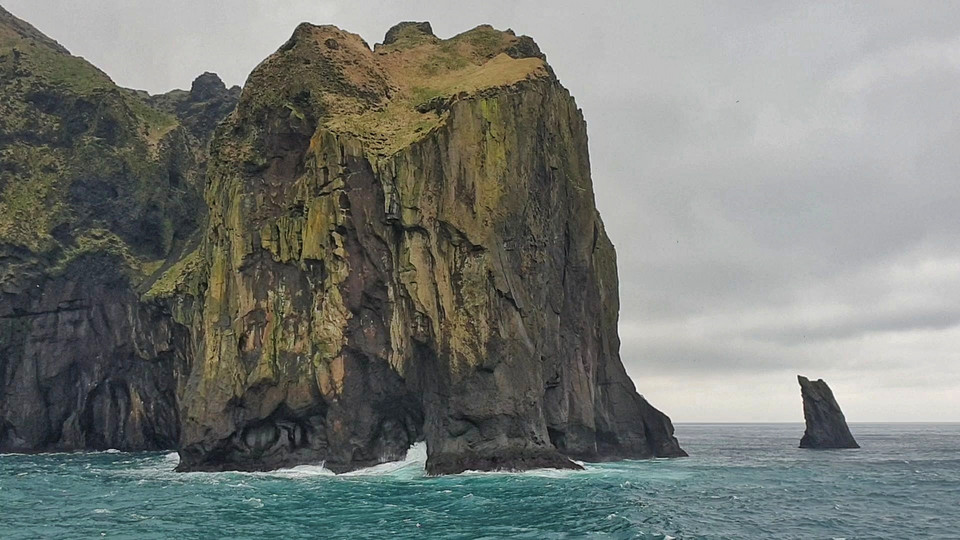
[
  {"x": 403, "y": 245},
  {"x": 85, "y": 365},
  {"x": 826, "y": 426},
  {"x": 99, "y": 193}
]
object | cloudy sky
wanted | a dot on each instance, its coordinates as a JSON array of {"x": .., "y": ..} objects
[{"x": 780, "y": 179}]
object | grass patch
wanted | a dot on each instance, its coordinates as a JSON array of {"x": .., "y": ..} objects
[
  {"x": 31, "y": 203},
  {"x": 58, "y": 69},
  {"x": 177, "y": 278},
  {"x": 103, "y": 242},
  {"x": 426, "y": 71}
]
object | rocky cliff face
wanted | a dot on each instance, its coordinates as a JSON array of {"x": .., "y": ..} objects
[
  {"x": 200, "y": 109},
  {"x": 826, "y": 425},
  {"x": 396, "y": 245},
  {"x": 99, "y": 193},
  {"x": 403, "y": 245}
]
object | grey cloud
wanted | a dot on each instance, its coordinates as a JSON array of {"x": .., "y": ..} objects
[{"x": 865, "y": 323}]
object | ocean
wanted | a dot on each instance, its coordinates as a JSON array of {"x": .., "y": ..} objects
[{"x": 741, "y": 481}]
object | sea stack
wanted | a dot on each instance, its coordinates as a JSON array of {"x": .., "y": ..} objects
[
  {"x": 403, "y": 245},
  {"x": 826, "y": 426}
]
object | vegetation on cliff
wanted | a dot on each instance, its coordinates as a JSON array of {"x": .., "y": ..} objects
[
  {"x": 392, "y": 245},
  {"x": 78, "y": 154},
  {"x": 100, "y": 190},
  {"x": 403, "y": 245}
]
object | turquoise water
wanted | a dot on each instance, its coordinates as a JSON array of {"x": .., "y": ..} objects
[{"x": 741, "y": 481}]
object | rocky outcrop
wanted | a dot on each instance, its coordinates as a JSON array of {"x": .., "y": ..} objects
[
  {"x": 403, "y": 245},
  {"x": 826, "y": 426},
  {"x": 396, "y": 245},
  {"x": 99, "y": 193},
  {"x": 83, "y": 365},
  {"x": 200, "y": 109},
  {"x": 408, "y": 29}
]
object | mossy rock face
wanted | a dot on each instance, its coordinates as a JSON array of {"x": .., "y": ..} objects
[
  {"x": 100, "y": 192},
  {"x": 80, "y": 153},
  {"x": 402, "y": 245},
  {"x": 393, "y": 244}
]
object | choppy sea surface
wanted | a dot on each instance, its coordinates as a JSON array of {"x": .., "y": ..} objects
[{"x": 741, "y": 481}]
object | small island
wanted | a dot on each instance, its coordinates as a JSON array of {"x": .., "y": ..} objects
[{"x": 826, "y": 425}]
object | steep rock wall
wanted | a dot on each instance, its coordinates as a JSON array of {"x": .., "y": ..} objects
[
  {"x": 388, "y": 262},
  {"x": 826, "y": 427},
  {"x": 86, "y": 366},
  {"x": 100, "y": 193}
]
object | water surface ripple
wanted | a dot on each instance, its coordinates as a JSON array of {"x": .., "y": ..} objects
[{"x": 741, "y": 481}]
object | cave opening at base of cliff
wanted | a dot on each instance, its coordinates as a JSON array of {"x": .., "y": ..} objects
[
  {"x": 285, "y": 432},
  {"x": 102, "y": 420},
  {"x": 284, "y": 438},
  {"x": 558, "y": 438}
]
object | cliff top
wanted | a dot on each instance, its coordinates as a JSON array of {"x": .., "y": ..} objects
[
  {"x": 392, "y": 94},
  {"x": 13, "y": 30}
]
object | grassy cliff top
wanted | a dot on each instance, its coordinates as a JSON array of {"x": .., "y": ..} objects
[
  {"x": 14, "y": 30},
  {"x": 393, "y": 94}
]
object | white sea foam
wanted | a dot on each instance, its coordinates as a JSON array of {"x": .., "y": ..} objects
[
  {"x": 71, "y": 453},
  {"x": 414, "y": 462},
  {"x": 543, "y": 473},
  {"x": 151, "y": 468},
  {"x": 300, "y": 471},
  {"x": 412, "y": 466}
]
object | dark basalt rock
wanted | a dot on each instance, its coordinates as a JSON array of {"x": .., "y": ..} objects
[
  {"x": 85, "y": 366},
  {"x": 394, "y": 246},
  {"x": 112, "y": 194},
  {"x": 202, "y": 108},
  {"x": 826, "y": 426},
  {"x": 407, "y": 28},
  {"x": 379, "y": 273},
  {"x": 501, "y": 459}
]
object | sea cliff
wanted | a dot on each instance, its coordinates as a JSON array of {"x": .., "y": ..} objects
[{"x": 375, "y": 247}]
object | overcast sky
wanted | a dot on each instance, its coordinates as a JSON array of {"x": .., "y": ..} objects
[{"x": 780, "y": 180}]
